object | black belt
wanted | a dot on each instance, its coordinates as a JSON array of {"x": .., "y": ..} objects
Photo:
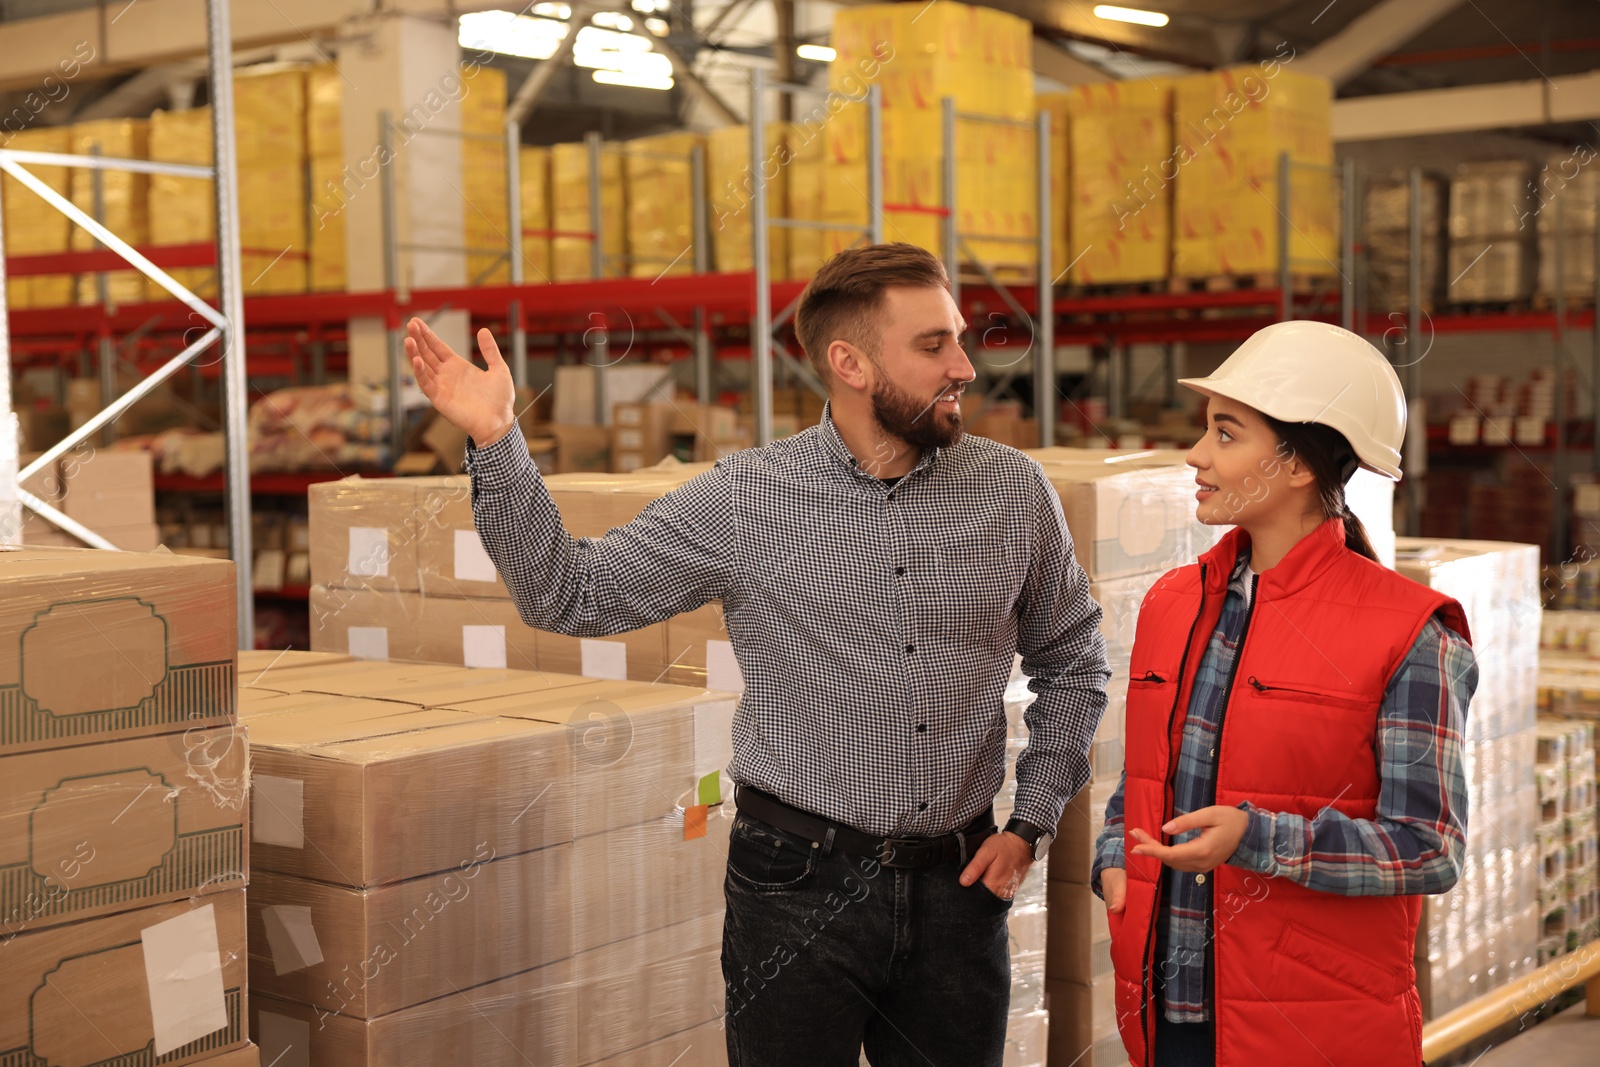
[{"x": 960, "y": 846}]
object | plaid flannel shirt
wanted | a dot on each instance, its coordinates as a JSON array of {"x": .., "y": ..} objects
[{"x": 1414, "y": 845}]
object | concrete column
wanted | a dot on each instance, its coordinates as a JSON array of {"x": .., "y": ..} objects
[{"x": 410, "y": 67}]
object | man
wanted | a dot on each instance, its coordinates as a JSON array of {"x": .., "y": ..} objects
[{"x": 878, "y": 573}]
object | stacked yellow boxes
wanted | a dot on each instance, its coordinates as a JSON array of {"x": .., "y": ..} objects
[
  {"x": 732, "y": 187},
  {"x": 919, "y": 54},
  {"x": 183, "y": 210},
  {"x": 325, "y": 141},
  {"x": 1059, "y": 107},
  {"x": 34, "y": 228},
  {"x": 483, "y": 177},
  {"x": 808, "y": 161},
  {"x": 534, "y": 177},
  {"x": 1121, "y": 220},
  {"x": 124, "y": 789},
  {"x": 269, "y": 109},
  {"x": 1232, "y": 125},
  {"x": 124, "y": 201},
  {"x": 569, "y": 175},
  {"x": 661, "y": 197}
]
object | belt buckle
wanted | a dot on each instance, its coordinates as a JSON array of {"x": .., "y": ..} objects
[
  {"x": 886, "y": 851},
  {"x": 889, "y": 847}
]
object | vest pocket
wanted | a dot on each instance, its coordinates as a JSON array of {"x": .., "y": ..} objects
[
  {"x": 1334, "y": 960},
  {"x": 1300, "y": 693}
]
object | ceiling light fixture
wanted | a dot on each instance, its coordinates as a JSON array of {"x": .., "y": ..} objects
[
  {"x": 635, "y": 81},
  {"x": 819, "y": 53},
  {"x": 1129, "y": 14}
]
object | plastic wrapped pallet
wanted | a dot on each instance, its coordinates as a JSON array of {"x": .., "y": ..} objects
[
  {"x": 731, "y": 183},
  {"x": 979, "y": 57},
  {"x": 125, "y": 210},
  {"x": 534, "y": 174},
  {"x": 1232, "y": 127},
  {"x": 269, "y": 109},
  {"x": 1484, "y": 932},
  {"x": 183, "y": 210},
  {"x": 1121, "y": 136},
  {"x": 325, "y": 144},
  {"x": 1492, "y": 249},
  {"x": 587, "y": 798},
  {"x": 486, "y": 226},
  {"x": 1387, "y": 235},
  {"x": 659, "y": 174},
  {"x": 34, "y": 228},
  {"x": 569, "y": 179},
  {"x": 1567, "y": 195}
]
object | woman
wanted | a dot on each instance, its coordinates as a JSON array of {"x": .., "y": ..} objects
[{"x": 1293, "y": 778}]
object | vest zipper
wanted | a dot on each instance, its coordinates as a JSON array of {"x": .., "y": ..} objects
[
  {"x": 1211, "y": 897},
  {"x": 1155, "y": 914}
]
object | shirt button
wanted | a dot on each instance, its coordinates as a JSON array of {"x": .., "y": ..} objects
[
  {"x": 910, "y": 649},
  {"x": 922, "y": 806},
  {"x": 922, "y": 727},
  {"x": 1199, "y": 879},
  {"x": 899, "y": 570},
  {"x": 1213, "y": 752}
]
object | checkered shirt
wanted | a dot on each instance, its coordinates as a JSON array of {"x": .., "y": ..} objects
[
  {"x": 1415, "y": 845},
  {"x": 875, "y": 624}
]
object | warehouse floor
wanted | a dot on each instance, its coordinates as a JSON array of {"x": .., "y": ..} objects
[{"x": 1568, "y": 1040}]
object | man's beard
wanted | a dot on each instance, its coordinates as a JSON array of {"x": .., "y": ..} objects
[{"x": 918, "y": 423}]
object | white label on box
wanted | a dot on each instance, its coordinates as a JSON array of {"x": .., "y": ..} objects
[
  {"x": 713, "y": 736},
  {"x": 483, "y": 646},
  {"x": 291, "y": 937},
  {"x": 183, "y": 969},
  {"x": 277, "y": 811},
  {"x": 604, "y": 659},
  {"x": 722, "y": 667},
  {"x": 472, "y": 562},
  {"x": 284, "y": 1042},
  {"x": 369, "y": 552},
  {"x": 368, "y": 642},
  {"x": 630, "y": 439}
]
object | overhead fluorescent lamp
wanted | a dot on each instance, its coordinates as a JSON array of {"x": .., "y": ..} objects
[
  {"x": 1129, "y": 14},
  {"x": 820, "y": 53},
  {"x": 636, "y": 81},
  {"x": 511, "y": 34},
  {"x": 559, "y": 11}
]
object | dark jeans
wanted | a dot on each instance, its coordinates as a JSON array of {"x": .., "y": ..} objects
[
  {"x": 1184, "y": 1044},
  {"x": 825, "y": 954}
]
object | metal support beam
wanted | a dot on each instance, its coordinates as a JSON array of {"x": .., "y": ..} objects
[
  {"x": 761, "y": 328},
  {"x": 682, "y": 71},
  {"x": 1565, "y": 98},
  {"x": 519, "y": 334},
  {"x": 1414, "y": 464},
  {"x": 702, "y": 263},
  {"x": 1044, "y": 356},
  {"x": 528, "y": 93},
  {"x": 1559, "y": 531},
  {"x": 952, "y": 240},
  {"x": 1347, "y": 245},
  {"x": 1371, "y": 35},
  {"x": 1285, "y": 273},
  {"x": 393, "y": 280}
]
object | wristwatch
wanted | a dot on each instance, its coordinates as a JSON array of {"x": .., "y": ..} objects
[{"x": 1039, "y": 840}]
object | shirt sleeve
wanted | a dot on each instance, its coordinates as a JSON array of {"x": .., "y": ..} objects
[
  {"x": 1108, "y": 847},
  {"x": 674, "y": 557},
  {"x": 1416, "y": 842},
  {"x": 1064, "y": 655}
]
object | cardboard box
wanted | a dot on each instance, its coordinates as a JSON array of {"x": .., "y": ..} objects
[
  {"x": 1072, "y": 854},
  {"x": 1078, "y": 945},
  {"x": 168, "y": 979},
  {"x": 248, "y": 1056},
  {"x": 1126, "y": 522},
  {"x": 108, "y": 827},
  {"x": 606, "y": 1007},
  {"x": 368, "y": 952},
  {"x": 108, "y": 488},
  {"x": 109, "y": 645},
  {"x": 573, "y": 398},
  {"x": 431, "y": 629},
  {"x": 1083, "y": 1023},
  {"x": 364, "y": 534},
  {"x": 699, "y": 651},
  {"x": 639, "y": 655},
  {"x": 579, "y": 448}
]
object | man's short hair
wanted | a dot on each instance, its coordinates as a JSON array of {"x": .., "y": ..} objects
[{"x": 841, "y": 302}]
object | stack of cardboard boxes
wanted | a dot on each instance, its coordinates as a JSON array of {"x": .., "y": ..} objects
[
  {"x": 1232, "y": 126},
  {"x": 1121, "y": 210},
  {"x": 486, "y": 229},
  {"x": 1568, "y": 194},
  {"x": 572, "y": 222},
  {"x": 731, "y": 185},
  {"x": 269, "y": 108},
  {"x": 112, "y": 492},
  {"x": 917, "y": 56},
  {"x": 1387, "y": 233},
  {"x": 661, "y": 195},
  {"x": 1485, "y": 931},
  {"x": 1492, "y": 247},
  {"x": 181, "y": 209},
  {"x": 1568, "y": 894},
  {"x": 123, "y": 807},
  {"x": 567, "y": 905},
  {"x": 533, "y": 174},
  {"x": 325, "y": 143},
  {"x": 122, "y": 197},
  {"x": 32, "y": 227}
]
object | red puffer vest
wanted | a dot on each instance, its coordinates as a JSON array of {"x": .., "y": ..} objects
[{"x": 1297, "y": 976}]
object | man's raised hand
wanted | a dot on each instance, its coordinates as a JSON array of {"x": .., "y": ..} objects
[{"x": 479, "y": 402}]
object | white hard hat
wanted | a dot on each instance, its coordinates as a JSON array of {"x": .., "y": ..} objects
[{"x": 1302, "y": 371}]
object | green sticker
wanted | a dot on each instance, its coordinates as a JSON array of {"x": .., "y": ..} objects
[{"x": 710, "y": 790}]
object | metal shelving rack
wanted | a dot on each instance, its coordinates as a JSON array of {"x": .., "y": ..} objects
[{"x": 223, "y": 326}]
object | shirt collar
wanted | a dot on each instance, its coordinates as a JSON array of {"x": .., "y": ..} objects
[{"x": 836, "y": 447}]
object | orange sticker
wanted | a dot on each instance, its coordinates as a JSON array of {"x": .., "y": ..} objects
[{"x": 694, "y": 821}]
